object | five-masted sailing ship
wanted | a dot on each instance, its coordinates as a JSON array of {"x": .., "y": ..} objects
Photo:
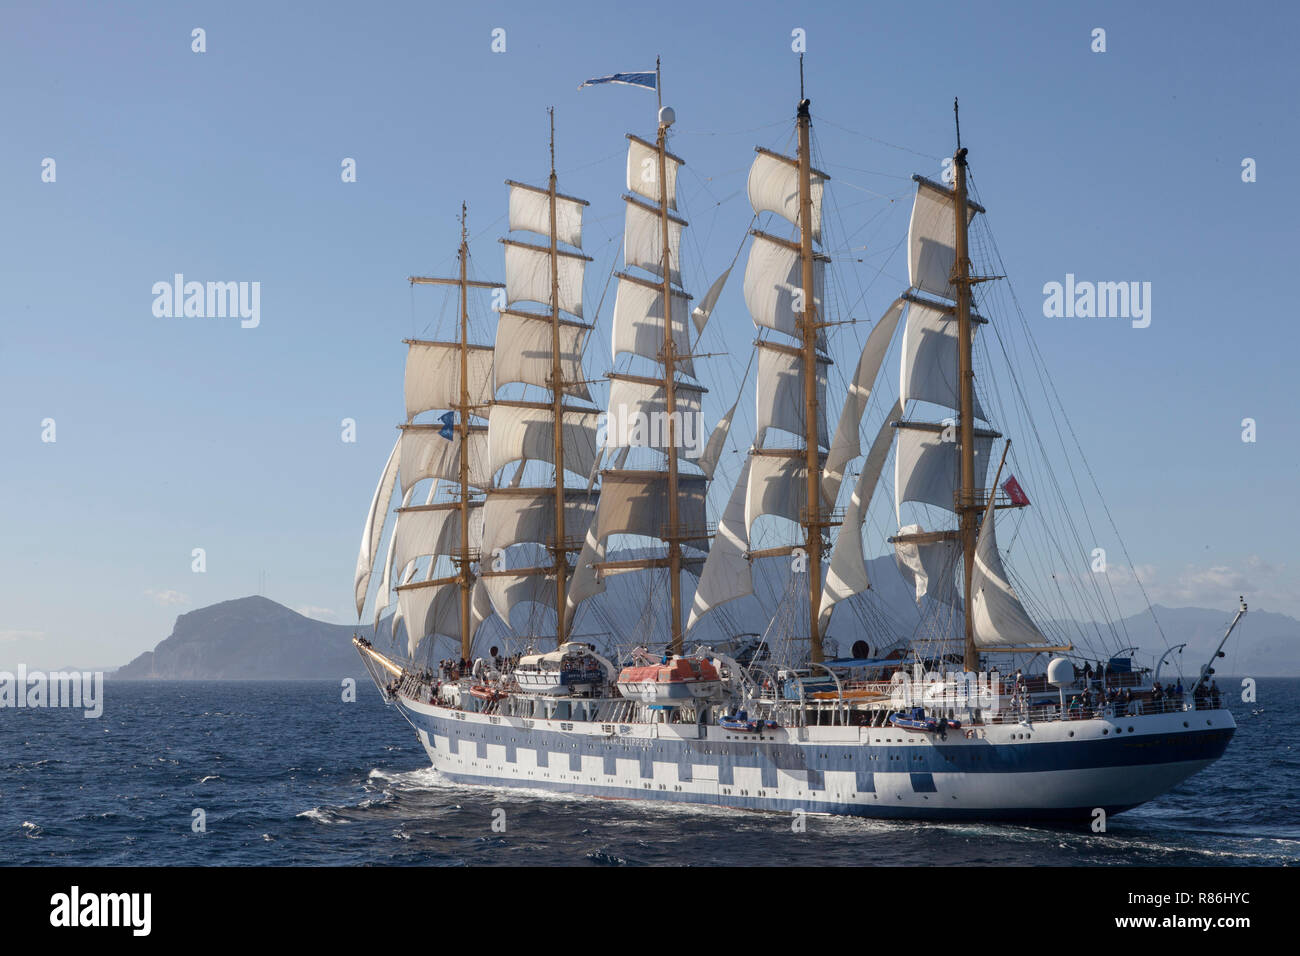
[{"x": 528, "y": 496}]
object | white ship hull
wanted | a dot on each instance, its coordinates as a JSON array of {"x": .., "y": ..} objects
[{"x": 1052, "y": 769}]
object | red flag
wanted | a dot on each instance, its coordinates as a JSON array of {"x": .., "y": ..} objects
[{"x": 1015, "y": 492}]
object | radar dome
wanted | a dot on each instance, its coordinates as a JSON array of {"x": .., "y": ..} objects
[{"x": 1060, "y": 673}]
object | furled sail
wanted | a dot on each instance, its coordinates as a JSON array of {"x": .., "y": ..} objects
[
  {"x": 374, "y": 527},
  {"x": 998, "y": 619}
]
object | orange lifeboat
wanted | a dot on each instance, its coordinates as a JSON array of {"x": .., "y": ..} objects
[{"x": 680, "y": 680}]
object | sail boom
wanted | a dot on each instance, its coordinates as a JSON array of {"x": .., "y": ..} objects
[
  {"x": 471, "y": 283},
  {"x": 546, "y": 192}
]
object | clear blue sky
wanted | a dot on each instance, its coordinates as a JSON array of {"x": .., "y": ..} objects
[{"x": 174, "y": 434}]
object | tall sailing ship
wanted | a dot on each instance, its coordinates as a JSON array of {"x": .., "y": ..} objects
[{"x": 532, "y": 493}]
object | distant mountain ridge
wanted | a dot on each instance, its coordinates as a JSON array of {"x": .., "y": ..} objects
[{"x": 251, "y": 638}]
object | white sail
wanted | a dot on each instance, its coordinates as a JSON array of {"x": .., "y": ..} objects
[
  {"x": 774, "y": 282},
  {"x": 932, "y": 239},
  {"x": 416, "y": 605},
  {"x": 520, "y": 430},
  {"x": 516, "y": 515},
  {"x": 778, "y": 485},
  {"x": 374, "y": 527},
  {"x": 700, "y": 314},
  {"x": 638, "y": 410},
  {"x": 927, "y": 468},
  {"x": 780, "y": 392},
  {"x": 505, "y": 591},
  {"x": 636, "y": 502},
  {"x": 727, "y": 574},
  {"x": 433, "y": 610},
  {"x": 639, "y": 322},
  {"x": 528, "y": 276},
  {"x": 929, "y": 566},
  {"x": 845, "y": 446},
  {"x": 384, "y": 594},
  {"x": 930, "y": 358},
  {"x": 774, "y": 187},
  {"x": 433, "y": 376},
  {"x": 427, "y": 454},
  {"x": 708, "y": 462},
  {"x": 847, "y": 574},
  {"x": 998, "y": 619},
  {"x": 643, "y": 240},
  {"x": 433, "y": 530},
  {"x": 524, "y": 352},
  {"x": 586, "y": 580},
  {"x": 530, "y": 211},
  {"x": 643, "y": 171}
]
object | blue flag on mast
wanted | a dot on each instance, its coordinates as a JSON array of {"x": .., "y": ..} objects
[
  {"x": 644, "y": 80},
  {"x": 447, "y": 430}
]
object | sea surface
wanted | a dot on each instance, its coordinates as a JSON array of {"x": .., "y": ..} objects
[{"x": 287, "y": 773}]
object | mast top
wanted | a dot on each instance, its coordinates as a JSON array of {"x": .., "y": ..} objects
[
  {"x": 464, "y": 212},
  {"x": 551, "y": 112},
  {"x": 804, "y": 102}
]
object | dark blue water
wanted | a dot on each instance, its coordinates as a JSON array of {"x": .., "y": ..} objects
[{"x": 288, "y": 774}]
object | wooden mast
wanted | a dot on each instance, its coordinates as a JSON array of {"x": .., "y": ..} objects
[
  {"x": 466, "y": 579},
  {"x": 967, "y": 504},
  {"x": 673, "y": 535},
  {"x": 557, "y": 409},
  {"x": 813, "y": 521}
]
